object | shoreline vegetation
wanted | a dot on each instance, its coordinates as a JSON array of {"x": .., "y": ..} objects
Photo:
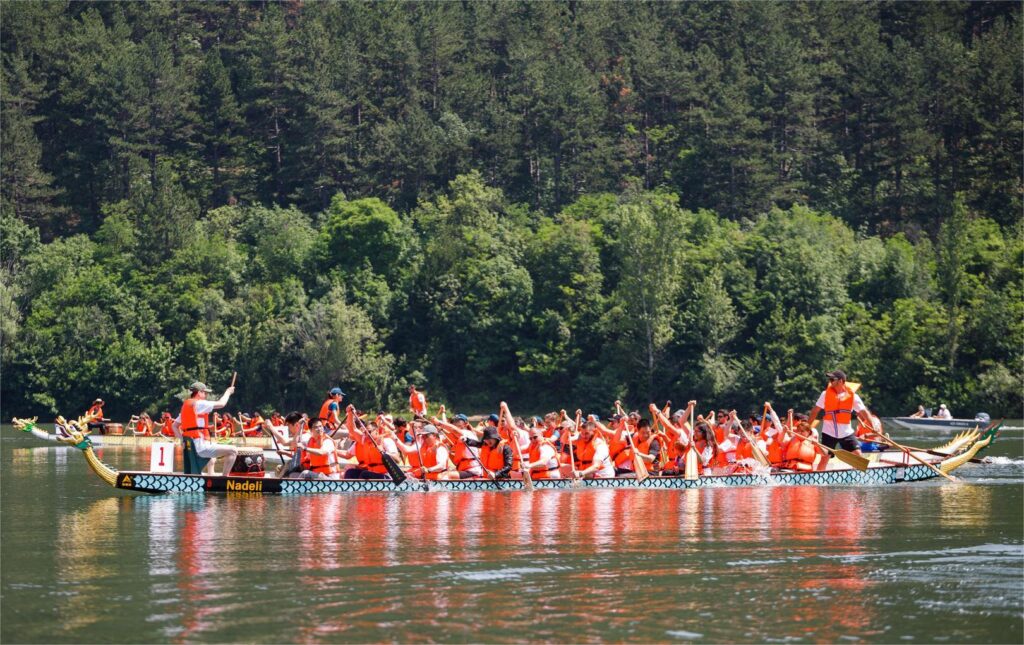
[{"x": 553, "y": 204}]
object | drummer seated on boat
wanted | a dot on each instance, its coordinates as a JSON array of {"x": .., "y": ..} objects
[
  {"x": 194, "y": 422},
  {"x": 95, "y": 412}
]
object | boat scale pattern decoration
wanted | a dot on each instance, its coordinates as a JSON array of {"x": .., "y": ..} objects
[{"x": 152, "y": 483}]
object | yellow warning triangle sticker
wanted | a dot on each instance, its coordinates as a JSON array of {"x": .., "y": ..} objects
[{"x": 127, "y": 481}]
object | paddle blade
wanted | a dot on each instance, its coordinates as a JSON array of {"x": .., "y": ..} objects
[
  {"x": 527, "y": 480},
  {"x": 852, "y": 460},
  {"x": 390, "y": 465},
  {"x": 640, "y": 468}
]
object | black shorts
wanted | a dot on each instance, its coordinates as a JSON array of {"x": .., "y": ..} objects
[{"x": 846, "y": 443}]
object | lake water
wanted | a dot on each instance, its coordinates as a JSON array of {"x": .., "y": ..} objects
[{"x": 925, "y": 562}]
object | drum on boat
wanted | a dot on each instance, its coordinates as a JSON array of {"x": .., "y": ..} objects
[
  {"x": 113, "y": 428},
  {"x": 249, "y": 463}
]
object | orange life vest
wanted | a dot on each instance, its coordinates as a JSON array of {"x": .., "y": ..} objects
[
  {"x": 839, "y": 405},
  {"x": 625, "y": 458},
  {"x": 318, "y": 463},
  {"x": 325, "y": 414},
  {"x": 504, "y": 434},
  {"x": 585, "y": 454},
  {"x": 544, "y": 471},
  {"x": 803, "y": 455},
  {"x": 166, "y": 428},
  {"x": 493, "y": 458},
  {"x": 190, "y": 421},
  {"x": 462, "y": 457},
  {"x": 369, "y": 457},
  {"x": 775, "y": 452},
  {"x": 418, "y": 403},
  {"x": 430, "y": 461}
]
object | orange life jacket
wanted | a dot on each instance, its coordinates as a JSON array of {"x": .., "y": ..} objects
[
  {"x": 839, "y": 405},
  {"x": 369, "y": 457},
  {"x": 718, "y": 460},
  {"x": 625, "y": 458},
  {"x": 418, "y": 403},
  {"x": 318, "y": 463},
  {"x": 504, "y": 434},
  {"x": 585, "y": 454},
  {"x": 166, "y": 428},
  {"x": 462, "y": 457},
  {"x": 544, "y": 471},
  {"x": 493, "y": 458},
  {"x": 430, "y": 460},
  {"x": 325, "y": 414},
  {"x": 190, "y": 421},
  {"x": 775, "y": 452},
  {"x": 803, "y": 455}
]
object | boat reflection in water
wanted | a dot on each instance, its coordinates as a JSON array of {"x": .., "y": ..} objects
[{"x": 224, "y": 567}]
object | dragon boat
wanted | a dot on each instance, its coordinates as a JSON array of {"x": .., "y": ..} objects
[
  {"x": 889, "y": 467},
  {"x": 61, "y": 433}
]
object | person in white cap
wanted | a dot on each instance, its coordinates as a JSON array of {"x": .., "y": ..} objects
[{"x": 943, "y": 412}]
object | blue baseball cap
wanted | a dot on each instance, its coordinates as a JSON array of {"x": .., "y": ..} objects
[
  {"x": 461, "y": 417},
  {"x": 493, "y": 417},
  {"x": 336, "y": 390}
]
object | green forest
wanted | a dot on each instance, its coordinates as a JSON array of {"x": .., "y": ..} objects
[{"x": 552, "y": 203}]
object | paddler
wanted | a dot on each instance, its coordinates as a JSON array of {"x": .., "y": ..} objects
[
  {"x": 594, "y": 460},
  {"x": 330, "y": 411},
  {"x": 319, "y": 450},
  {"x": 839, "y": 402},
  {"x": 370, "y": 462},
  {"x": 95, "y": 412},
  {"x": 194, "y": 422},
  {"x": 289, "y": 434},
  {"x": 436, "y": 464},
  {"x": 540, "y": 459},
  {"x": 495, "y": 453}
]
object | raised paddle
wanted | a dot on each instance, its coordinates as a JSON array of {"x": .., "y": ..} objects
[
  {"x": 887, "y": 440},
  {"x": 234, "y": 376},
  {"x": 514, "y": 440}
]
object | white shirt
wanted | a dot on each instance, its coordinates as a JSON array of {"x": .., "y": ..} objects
[
  {"x": 943, "y": 414},
  {"x": 829, "y": 425},
  {"x": 607, "y": 469}
]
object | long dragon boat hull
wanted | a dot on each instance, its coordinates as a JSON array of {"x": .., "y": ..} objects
[
  {"x": 199, "y": 484},
  {"x": 887, "y": 468}
]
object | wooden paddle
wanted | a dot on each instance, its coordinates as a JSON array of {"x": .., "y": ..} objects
[
  {"x": 572, "y": 457},
  {"x": 639, "y": 467},
  {"x": 234, "y": 377},
  {"x": 514, "y": 440},
  {"x": 845, "y": 456},
  {"x": 887, "y": 440}
]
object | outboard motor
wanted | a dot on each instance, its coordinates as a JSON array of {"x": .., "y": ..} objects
[{"x": 982, "y": 417}]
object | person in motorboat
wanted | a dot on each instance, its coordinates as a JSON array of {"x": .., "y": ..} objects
[
  {"x": 920, "y": 414},
  {"x": 943, "y": 412}
]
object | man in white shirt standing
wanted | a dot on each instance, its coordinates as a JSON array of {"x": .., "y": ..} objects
[
  {"x": 839, "y": 402},
  {"x": 194, "y": 422}
]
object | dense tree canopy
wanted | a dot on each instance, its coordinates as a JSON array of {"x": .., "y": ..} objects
[{"x": 558, "y": 203}]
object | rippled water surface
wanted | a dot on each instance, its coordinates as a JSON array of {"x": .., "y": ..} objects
[{"x": 931, "y": 561}]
